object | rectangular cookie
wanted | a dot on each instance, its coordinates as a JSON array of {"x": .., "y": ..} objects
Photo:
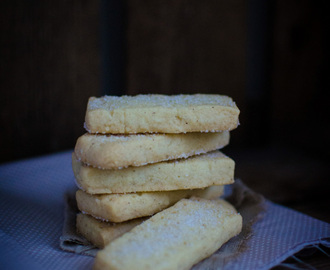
[
  {"x": 101, "y": 233},
  {"x": 122, "y": 207},
  {"x": 161, "y": 114},
  {"x": 200, "y": 171},
  {"x": 176, "y": 238},
  {"x": 118, "y": 151}
]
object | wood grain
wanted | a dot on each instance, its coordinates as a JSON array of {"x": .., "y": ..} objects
[{"x": 49, "y": 67}]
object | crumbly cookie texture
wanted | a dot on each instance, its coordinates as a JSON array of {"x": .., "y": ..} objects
[
  {"x": 161, "y": 113},
  {"x": 123, "y": 207},
  {"x": 119, "y": 151},
  {"x": 200, "y": 171},
  {"x": 101, "y": 233},
  {"x": 176, "y": 238}
]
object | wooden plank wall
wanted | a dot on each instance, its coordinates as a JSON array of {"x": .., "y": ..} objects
[
  {"x": 300, "y": 76},
  {"x": 50, "y": 65}
]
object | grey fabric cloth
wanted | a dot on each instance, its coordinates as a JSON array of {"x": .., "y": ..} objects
[{"x": 31, "y": 214}]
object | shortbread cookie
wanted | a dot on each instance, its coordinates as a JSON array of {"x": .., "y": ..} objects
[
  {"x": 195, "y": 172},
  {"x": 122, "y": 207},
  {"x": 115, "y": 151},
  {"x": 101, "y": 233},
  {"x": 160, "y": 113},
  {"x": 176, "y": 238}
]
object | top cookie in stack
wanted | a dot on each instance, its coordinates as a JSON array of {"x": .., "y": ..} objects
[{"x": 161, "y": 114}]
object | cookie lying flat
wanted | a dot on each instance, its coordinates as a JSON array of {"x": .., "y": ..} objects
[
  {"x": 122, "y": 207},
  {"x": 176, "y": 238},
  {"x": 160, "y": 113},
  {"x": 118, "y": 151},
  {"x": 195, "y": 172},
  {"x": 101, "y": 233}
]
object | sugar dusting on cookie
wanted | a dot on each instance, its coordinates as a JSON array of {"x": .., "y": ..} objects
[
  {"x": 115, "y": 102},
  {"x": 186, "y": 218}
]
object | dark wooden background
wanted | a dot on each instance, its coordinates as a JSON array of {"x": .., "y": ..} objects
[{"x": 272, "y": 57}]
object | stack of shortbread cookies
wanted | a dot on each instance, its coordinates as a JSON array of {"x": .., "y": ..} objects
[{"x": 150, "y": 175}]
